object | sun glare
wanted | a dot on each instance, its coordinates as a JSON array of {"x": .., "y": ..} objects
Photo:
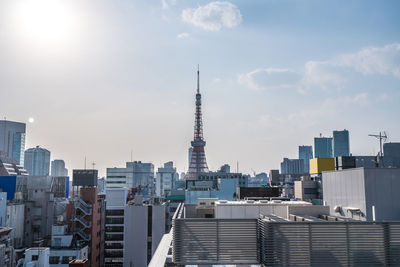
[{"x": 46, "y": 22}]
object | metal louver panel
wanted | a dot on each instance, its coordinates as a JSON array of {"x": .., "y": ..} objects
[
  {"x": 329, "y": 243},
  {"x": 215, "y": 241}
]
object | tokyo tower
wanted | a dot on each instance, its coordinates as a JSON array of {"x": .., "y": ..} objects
[{"x": 198, "y": 162}]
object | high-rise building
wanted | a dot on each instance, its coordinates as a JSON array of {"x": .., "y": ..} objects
[
  {"x": 292, "y": 166},
  {"x": 323, "y": 147},
  {"x": 305, "y": 153},
  {"x": 198, "y": 162},
  {"x": 12, "y": 140},
  {"x": 341, "y": 143},
  {"x": 166, "y": 178},
  {"x": 37, "y": 161},
  {"x": 58, "y": 168}
]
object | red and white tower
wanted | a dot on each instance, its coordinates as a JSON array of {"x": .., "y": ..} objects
[{"x": 198, "y": 162}]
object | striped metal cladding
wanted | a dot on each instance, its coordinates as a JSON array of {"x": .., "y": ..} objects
[
  {"x": 329, "y": 243},
  {"x": 215, "y": 241}
]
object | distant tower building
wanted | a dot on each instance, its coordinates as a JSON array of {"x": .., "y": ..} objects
[
  {"x": 37, "y": 161},
  {"x": 341, "y": 143},
  {"x": 12, "y": 140},
  {"x": 323, "y": 147},
  {"x": 58, "y": 168},
  {"x": 198, "y": 162},
  {"x": 305, "y": 153}
]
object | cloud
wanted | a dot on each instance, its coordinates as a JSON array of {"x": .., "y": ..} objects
[
  {"x": 183, "y": 35},
  {"x": 167, "y": 3},
  {"x": 337, "y": 71},
  {"x": 374, "y": 60},
  {"x": 213, "y": 16},
  {"x": 270, "y": 78},
  {"x": 346, "y": 71}
]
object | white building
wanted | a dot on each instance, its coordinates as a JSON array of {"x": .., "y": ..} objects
[
  {"x": 252, "y": 209},
  {"x": 145, "y": 226},
  {"x": 37, "y": 257},
  {"x": 15, "y": 220},
  {"x": 135, "y": 174},
  {"x": 165, "y": 179},
  {"x": 63, "y": 248}
]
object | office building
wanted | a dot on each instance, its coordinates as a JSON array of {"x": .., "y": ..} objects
[
  {"x": 292, "y": 166},
  {"x": 362, "y": 193},
  {"x": 136, "y": 174},
  {"x": 12, "y": 140},
  {"x": 305, "y": 153},
  {"x": 341, "y": 143},
  {"x": 15, "y": 220},
  {"x": 145, "y": 226},
  {"x": 114, "y": 236},
  {"x": 58, "y": 168},
  {"x": 323, "y": 147},
  {"x": 37, "y": 161},
  {"x": 165, "y": 179}
]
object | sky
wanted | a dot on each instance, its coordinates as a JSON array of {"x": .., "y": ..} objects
[{"x": 109, "y": 79}]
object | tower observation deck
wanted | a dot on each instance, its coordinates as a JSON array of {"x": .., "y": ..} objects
[{"x": 198, "y": 162}]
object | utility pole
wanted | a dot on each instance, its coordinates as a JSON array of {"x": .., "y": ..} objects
[{"x": 382, "y": 136}]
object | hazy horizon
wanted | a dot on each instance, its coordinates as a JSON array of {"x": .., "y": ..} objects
[{"x": 104, "y": 78}]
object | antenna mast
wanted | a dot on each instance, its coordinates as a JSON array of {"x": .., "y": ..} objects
[{"x": 382, "y": 136}]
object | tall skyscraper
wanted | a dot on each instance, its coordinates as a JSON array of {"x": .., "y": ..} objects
[
  {"x": 58, "y": 168},
  {"x": 198, "y": 162},
  {"x": 305, "y": 153},
  {"x": 12, "y": 140},
  {"x": 323, "y": 147},
  {"x": 341, "y": 143},
  {"x": 37, "y": 161}
]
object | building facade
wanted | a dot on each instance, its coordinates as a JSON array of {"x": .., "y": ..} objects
[
  {"x": 37, "y": 161},
  {"x": 323, "y": 147},
  {"x": 58, "y": 168},
  {"x": 145, "y": 226},
  {"x": 341, "y": 143},
  {"x": 165, "y": 179},
  {"x": 305, "y": 153},
  {"x": 292, "y": 166},
  {"x": 12, "y": 140}
]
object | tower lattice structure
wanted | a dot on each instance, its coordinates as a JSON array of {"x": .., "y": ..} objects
[{"x": 198, "y": 162}]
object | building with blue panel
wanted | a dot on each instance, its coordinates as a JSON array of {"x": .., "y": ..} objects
[
  {"x": 341, "y": 143},
  {"x": 8, "y": 184},
  {"x": 305, "y": 153},
  {"x": 12, "y": 140},
  {"x": 323, "y": 147}
]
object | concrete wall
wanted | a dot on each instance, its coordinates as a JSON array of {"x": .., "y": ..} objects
[
  {"x": 345, "y": 188},
  {"x": 382, "y": 191},
  {"x": 363, "y": 188},
  {"x": 158, "y": 226},
  {"x": 15, "y": 220},
  {"x": 135, "y": 227}
]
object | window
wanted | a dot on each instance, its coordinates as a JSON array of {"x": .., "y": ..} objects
[
  {"x": 35, "y": 257},
  {"x": 54, "y": 260}
]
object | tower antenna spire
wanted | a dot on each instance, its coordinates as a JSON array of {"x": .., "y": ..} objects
[{"x": 198, "y": 78}]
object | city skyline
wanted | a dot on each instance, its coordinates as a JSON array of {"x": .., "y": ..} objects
[{"x": 338, "y": 69}]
